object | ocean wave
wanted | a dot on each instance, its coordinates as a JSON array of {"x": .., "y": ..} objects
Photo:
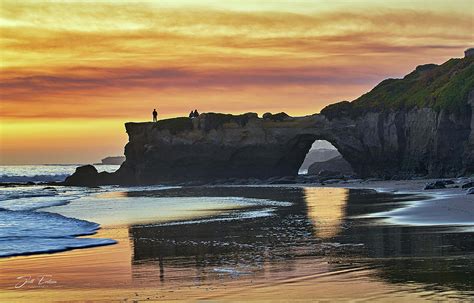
[
  {"x": 34, "y": 197},
  {"x": 18, "y": 192},
  {"x": 13, "y": 195},
  {"x": 35, "y": 178},
  {"x": 25, "y": 232},
  {"x": 31, "y": 204}
]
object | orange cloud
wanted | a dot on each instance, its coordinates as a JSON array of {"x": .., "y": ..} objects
[{"x": 115, "y": 61}]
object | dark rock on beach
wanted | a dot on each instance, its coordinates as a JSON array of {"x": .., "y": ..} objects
[
  {"x": 448, "y": 182},
  {"x": 87, "y": 175},
  {"x": 337, "y": 165},
  {"x": 83, "y": 176},
  {"x": 435, "y": 185}
]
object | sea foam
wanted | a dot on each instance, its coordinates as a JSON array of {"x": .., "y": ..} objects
[
  {"x": 24, "y": 233},
  {"x": 25, "y": 229}
]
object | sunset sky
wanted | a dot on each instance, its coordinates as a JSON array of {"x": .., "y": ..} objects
[{"x": 72, "y": 72}]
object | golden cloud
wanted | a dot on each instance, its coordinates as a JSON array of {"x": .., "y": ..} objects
[{"x": 114, "y": 60}]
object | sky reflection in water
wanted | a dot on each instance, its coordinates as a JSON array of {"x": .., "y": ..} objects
[
  {"x": 323, "y": 224},
  {"x": 213, "y": 235}
]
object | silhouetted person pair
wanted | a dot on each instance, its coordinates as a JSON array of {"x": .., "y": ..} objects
[
  {"x": 194, "y": 114},
  {"x": 155, "y": 115}
]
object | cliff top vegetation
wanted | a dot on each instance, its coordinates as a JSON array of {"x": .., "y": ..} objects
[{"x": 446, "y": 86}]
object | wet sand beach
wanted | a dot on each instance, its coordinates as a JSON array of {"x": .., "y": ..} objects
[{"x": 327, "y": 245}]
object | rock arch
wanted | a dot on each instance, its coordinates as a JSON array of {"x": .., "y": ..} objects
[
  {"x": 219, "y": 146},
  {"x": 395, "y": 144}
]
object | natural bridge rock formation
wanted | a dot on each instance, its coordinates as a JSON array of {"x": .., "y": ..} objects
[
  {"x": 422, "y": 125},
  {"x": 217, "y": 146}
]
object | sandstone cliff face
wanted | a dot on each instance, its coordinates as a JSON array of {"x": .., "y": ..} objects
[
  {"x": 411, "y": 142},
  {"x": 216, "y": 146},
  {"x": 468, "y": 159}
]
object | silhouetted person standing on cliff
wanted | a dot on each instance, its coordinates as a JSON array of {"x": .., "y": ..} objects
[
  {"x": 155, "y": 115},
  {"x": 193, "y": 114}
]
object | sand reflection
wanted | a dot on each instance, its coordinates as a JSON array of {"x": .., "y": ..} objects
[{"x": 326, "y": 209}]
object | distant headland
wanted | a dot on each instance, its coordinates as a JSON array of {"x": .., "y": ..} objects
[
  {"x": 420, "y": 125},
  {"x": 112, "y": 160}
]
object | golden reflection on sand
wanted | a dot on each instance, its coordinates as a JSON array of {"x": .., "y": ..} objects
[
  {"x": 104, "y": 274},
  {"x": 112, "y": 195},
  {"x": 326, "y": 209},
  {"x": 108, "y": 274}
]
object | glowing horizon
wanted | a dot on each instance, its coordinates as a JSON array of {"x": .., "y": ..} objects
[{"x": 73, "y": 73}]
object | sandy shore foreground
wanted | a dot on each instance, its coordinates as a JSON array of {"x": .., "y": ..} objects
[
  {"x": 450, "y": 206},
  {"x": 106, "y": 273}
]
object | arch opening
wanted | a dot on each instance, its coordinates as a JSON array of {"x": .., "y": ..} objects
[{"x": 324, "y": 156}]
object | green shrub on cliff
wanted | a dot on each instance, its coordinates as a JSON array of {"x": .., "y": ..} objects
[
  {"x": 174, "y": 125},
  {"x": 216, "y": 120},
  {"x": 446, "y": 86}
]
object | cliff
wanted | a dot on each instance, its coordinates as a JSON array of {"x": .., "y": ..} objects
[
  {"x": 219, "y": 146},
  {"x": 422, "y": 124}
]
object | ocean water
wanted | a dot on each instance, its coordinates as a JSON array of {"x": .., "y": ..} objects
[
  {"x": 42, "y": 173},
  {"x": 25, "y": 228},
  {"x": 47, "y": 219}
]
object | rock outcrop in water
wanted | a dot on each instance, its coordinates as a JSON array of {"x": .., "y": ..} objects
[
  {"x": 117, "y": 160},
  {"x": 422, "y": 124},
  {"x": 318, "y": 155},
  {"x": 337, "y": 165}
]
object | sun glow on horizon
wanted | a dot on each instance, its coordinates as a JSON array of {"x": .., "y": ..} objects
[{"x": 87, "y": 67}]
